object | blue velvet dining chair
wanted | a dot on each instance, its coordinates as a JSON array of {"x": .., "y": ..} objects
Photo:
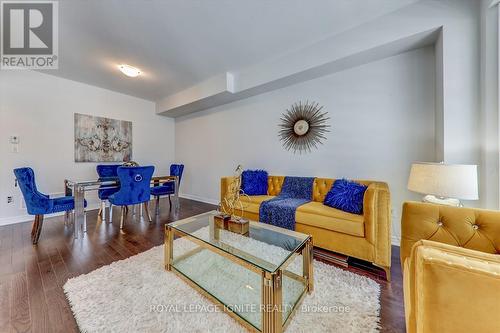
[
  {"x": 134, "y": 189},
  {"x": 40, "y": 204},
  {"x": 168, "y": 188},
  {"x": 106, "y": 172}
]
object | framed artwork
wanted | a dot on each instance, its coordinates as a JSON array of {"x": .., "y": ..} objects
[{"x": 99, "y": 139}]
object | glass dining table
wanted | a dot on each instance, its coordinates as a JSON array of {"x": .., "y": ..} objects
[{"x": 78, "y": 188}]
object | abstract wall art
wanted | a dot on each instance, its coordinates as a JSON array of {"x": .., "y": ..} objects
[
  {"x": 303, "y": 127},
  {"x": 99, "y": 139}
]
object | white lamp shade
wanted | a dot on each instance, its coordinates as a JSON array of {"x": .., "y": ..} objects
[{"x": 444, "y": 180}]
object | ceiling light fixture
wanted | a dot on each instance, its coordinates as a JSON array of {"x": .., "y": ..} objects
[{"x": 129, "y": 70}]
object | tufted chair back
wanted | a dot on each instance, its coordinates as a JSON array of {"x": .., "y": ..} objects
[
  {"x": 471, "y": 228},
  {"x": 107, "y": 171},
  {"x": 36, "y": 202},
  {"x": 134, "y": 185},
  {"x": 177, "y": 170}
]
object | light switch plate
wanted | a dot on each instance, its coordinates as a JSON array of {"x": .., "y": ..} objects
[{"x": 14, "y": 143}]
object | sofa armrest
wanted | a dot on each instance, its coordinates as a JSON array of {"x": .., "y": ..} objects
[
  {"x": 451, "y": 289},
  {"x": 377, "y": 218}
]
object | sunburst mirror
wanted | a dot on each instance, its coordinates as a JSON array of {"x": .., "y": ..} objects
[{"x": 303, "y": 127}]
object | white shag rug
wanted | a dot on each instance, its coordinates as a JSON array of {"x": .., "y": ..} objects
[{"x": 138, "y": 295}]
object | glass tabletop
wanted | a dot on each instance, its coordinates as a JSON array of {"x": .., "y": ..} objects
[{"x": 287, "y": 242}]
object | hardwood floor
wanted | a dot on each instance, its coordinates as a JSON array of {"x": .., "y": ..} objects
[{"x": 31, "y": 277}]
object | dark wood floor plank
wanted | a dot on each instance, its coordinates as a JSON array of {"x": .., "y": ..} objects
[
  {"x": 32, "y": 277},
  {"x": 18, "y": 245},
  {"x": 6, "y": 250},
  {"x": 61, "y": 319},
  {"x": 37, "y": 302},
  {"x": 5, "y": 309},
  {"x": 20, "y": 316}
]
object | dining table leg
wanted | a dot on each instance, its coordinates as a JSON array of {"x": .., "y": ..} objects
[
  {"x": 110, "y": 212},
  {"x": 103, "y": 211},
  {"x": 176, "y": 195},
  {"x": 67, "y": 192},
  {"x": 79, "y": 198}
]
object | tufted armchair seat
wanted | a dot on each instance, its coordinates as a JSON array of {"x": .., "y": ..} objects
[
  {"x": 365, "y": 236},
  {"x": 451, "y": 268}
]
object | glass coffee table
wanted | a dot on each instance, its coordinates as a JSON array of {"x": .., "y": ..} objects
[{"x": 259, "y": 278}]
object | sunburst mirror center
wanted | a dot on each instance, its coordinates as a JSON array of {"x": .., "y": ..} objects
[{"x": 303, "y": 127}]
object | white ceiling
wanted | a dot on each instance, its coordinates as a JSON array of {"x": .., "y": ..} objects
[{"x": 178, "y": 43}]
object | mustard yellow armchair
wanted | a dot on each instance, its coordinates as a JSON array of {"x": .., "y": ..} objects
[{"x": 451, "y": 268}]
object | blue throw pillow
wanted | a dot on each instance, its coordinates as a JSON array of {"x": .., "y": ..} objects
[
  {"x": 347, "y": 196},
  {"x": 254, "y": 182}
]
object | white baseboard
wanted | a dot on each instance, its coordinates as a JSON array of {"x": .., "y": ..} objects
[
  {"x": 198, "y": 198},
  {"x": 27, "y": 217}
]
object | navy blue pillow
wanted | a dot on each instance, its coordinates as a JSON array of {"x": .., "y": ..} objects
[
  {"x": 254, "y": 182},
  {"x": 347, "y": 196}
]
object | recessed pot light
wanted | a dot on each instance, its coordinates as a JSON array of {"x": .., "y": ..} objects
[{"x": 129, "y": 70}]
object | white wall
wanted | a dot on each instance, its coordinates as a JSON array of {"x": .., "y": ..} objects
[
  {"x": 382, "y": 117},
  {"x": 490, "y": 157},
  {"x": 39, "y": 109}
]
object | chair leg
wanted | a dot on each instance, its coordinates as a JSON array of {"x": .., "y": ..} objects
[
  {"x": 157, "y": 210},
  {"x": 126, "y": 209},
  {"x": 102, "y": 211},
  {"x": 99, "y": 213},
  {"x": 110, "y": 212},
  {"x": 37, "y": 229},
  {"x": 34, "y": 227},
  {"x": 146, "y": 210},
  {"x": 84, "y": 221},
  {"x": 123, "y": 216},
  {"x": 66, "y": 217},
  {"x": 169, "y": 203}
]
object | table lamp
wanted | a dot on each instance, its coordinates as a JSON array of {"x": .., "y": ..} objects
[{"x": 444, "y": 184}]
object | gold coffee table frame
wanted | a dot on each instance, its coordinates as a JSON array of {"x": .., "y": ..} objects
[{"x": 271, "y": 296}]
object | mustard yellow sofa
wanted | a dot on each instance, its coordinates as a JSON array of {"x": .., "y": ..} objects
[
  {"x": 451, "y": 268},
  {"x": 366, "y": 236}
]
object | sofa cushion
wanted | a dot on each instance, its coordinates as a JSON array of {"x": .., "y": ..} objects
[
  {"x": 254, "y": 182},
  {"x": 318, "y": 215},
  {"x": 252, "y": 203},
  {"x": 347, "y": 196}
]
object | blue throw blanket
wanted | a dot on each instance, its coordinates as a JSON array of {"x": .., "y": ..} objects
[{"x": 280, "y": 211}]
